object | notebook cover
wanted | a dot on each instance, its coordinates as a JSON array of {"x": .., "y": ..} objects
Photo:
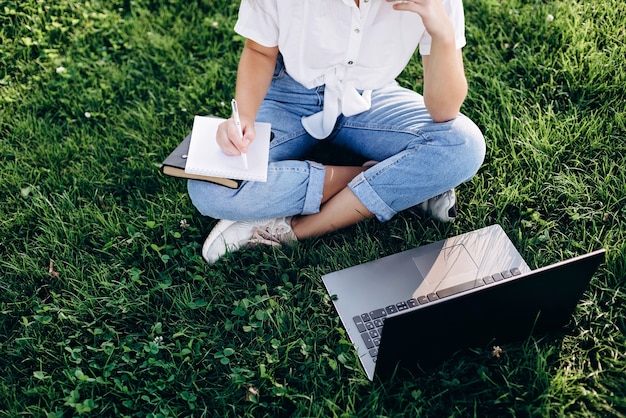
[{"x": 174, "y": 166}]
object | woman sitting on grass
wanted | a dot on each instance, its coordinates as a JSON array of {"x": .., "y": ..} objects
[{"x": 323, "y": 71}]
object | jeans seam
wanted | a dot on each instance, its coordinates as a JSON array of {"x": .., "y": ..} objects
[
  {"x": 384, "y": 128},
  {"x": 286, "y": 138}
]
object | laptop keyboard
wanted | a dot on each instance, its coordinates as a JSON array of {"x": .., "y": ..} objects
[{"x": 370, "y": 324}]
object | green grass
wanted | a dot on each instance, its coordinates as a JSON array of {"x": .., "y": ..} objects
[{"x": 107, "y": 309}]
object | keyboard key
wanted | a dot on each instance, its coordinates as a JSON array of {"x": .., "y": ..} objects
[
  {"x": 432, "y": 297},
  {"x": 515, "y": 271},
  {"x": 412, "y": 303},
  {"x": 365, "y": 317},
  {"x": 374, "y": 352},
  {"x": 370, "y": 325},
  {"x": 422, "y": 300},
  {"x": 367, "y": 340},
  {"x": 378, "y": 323},
  {"x": 488, "y": 280},
  {"x": 401, "y": 306},
  {"x": 459, "y": 288},
  {"x": 497, "y": 277},
  {"x": 377, "y": 313},
  {"x": 391, "y": 309},
  {"x": 359, "y": 323},
  {"x": 507, "y": 274},
  {"x": 374, "y": 334},
  {"x": 376, "y": 341}
]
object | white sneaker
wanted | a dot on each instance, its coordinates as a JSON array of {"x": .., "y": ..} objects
[
  {"x": 442, "y": 207},
  {"x": 229, "y": 236}
]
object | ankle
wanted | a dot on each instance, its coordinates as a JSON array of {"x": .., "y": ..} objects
[{"x": 295, "y": 221}]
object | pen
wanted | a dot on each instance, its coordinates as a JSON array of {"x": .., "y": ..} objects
[{"x": 238, "y": 123}]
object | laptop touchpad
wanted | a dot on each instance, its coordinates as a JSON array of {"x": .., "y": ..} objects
[{"x": 452, "y": 265}]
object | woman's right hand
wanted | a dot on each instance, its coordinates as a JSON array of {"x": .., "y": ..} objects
[{"x": 228, "y": 138}]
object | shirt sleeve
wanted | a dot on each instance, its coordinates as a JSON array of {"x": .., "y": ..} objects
[
  {"x": 457, "y": 16},
  {"x": 258, "y": 21}
]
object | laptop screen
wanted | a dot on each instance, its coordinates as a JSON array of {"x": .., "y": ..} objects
[{"x": 510, "y": 310}]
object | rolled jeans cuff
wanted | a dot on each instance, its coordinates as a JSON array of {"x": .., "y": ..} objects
[
  {"x": 313, "y": 197},
  {"x": 370, "y": 199}
]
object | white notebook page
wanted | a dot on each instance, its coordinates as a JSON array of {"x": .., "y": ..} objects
[{"x": 206, "y": 158}]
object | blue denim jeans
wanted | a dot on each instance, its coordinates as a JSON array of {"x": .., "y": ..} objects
[{"x": 418, "y": 158}]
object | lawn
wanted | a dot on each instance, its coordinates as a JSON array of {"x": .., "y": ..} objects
[{"x": 107, "y": 308}]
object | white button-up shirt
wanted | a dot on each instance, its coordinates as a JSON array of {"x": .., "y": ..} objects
[{"x": 351, "y": 50}]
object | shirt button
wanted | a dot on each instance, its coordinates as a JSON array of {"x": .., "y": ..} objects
[
  {"x": 357, "y": 30},
  {"x": 350, "y": 62}
]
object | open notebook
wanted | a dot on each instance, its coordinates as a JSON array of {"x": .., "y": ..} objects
[{"x": 207, "y": 159}]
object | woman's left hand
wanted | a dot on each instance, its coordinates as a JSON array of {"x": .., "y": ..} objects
[{"x": 432, "y": 12}]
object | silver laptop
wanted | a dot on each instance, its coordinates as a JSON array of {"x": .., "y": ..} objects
[{"x": 411, "y": 310}]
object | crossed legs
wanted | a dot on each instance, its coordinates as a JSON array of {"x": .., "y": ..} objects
[{"x": 340, "y": 207}]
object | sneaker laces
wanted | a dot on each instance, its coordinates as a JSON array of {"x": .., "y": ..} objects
[{"x": 271, "y": 235}]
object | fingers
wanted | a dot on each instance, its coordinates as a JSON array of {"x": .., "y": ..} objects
[
  {"x": 400, "y": 4},
  {"x": 229, "y": 140},
  {"x": 240, "y": 139},
  {"x": 418, "y": 7},
  {"x": 433, "y": 14}
]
